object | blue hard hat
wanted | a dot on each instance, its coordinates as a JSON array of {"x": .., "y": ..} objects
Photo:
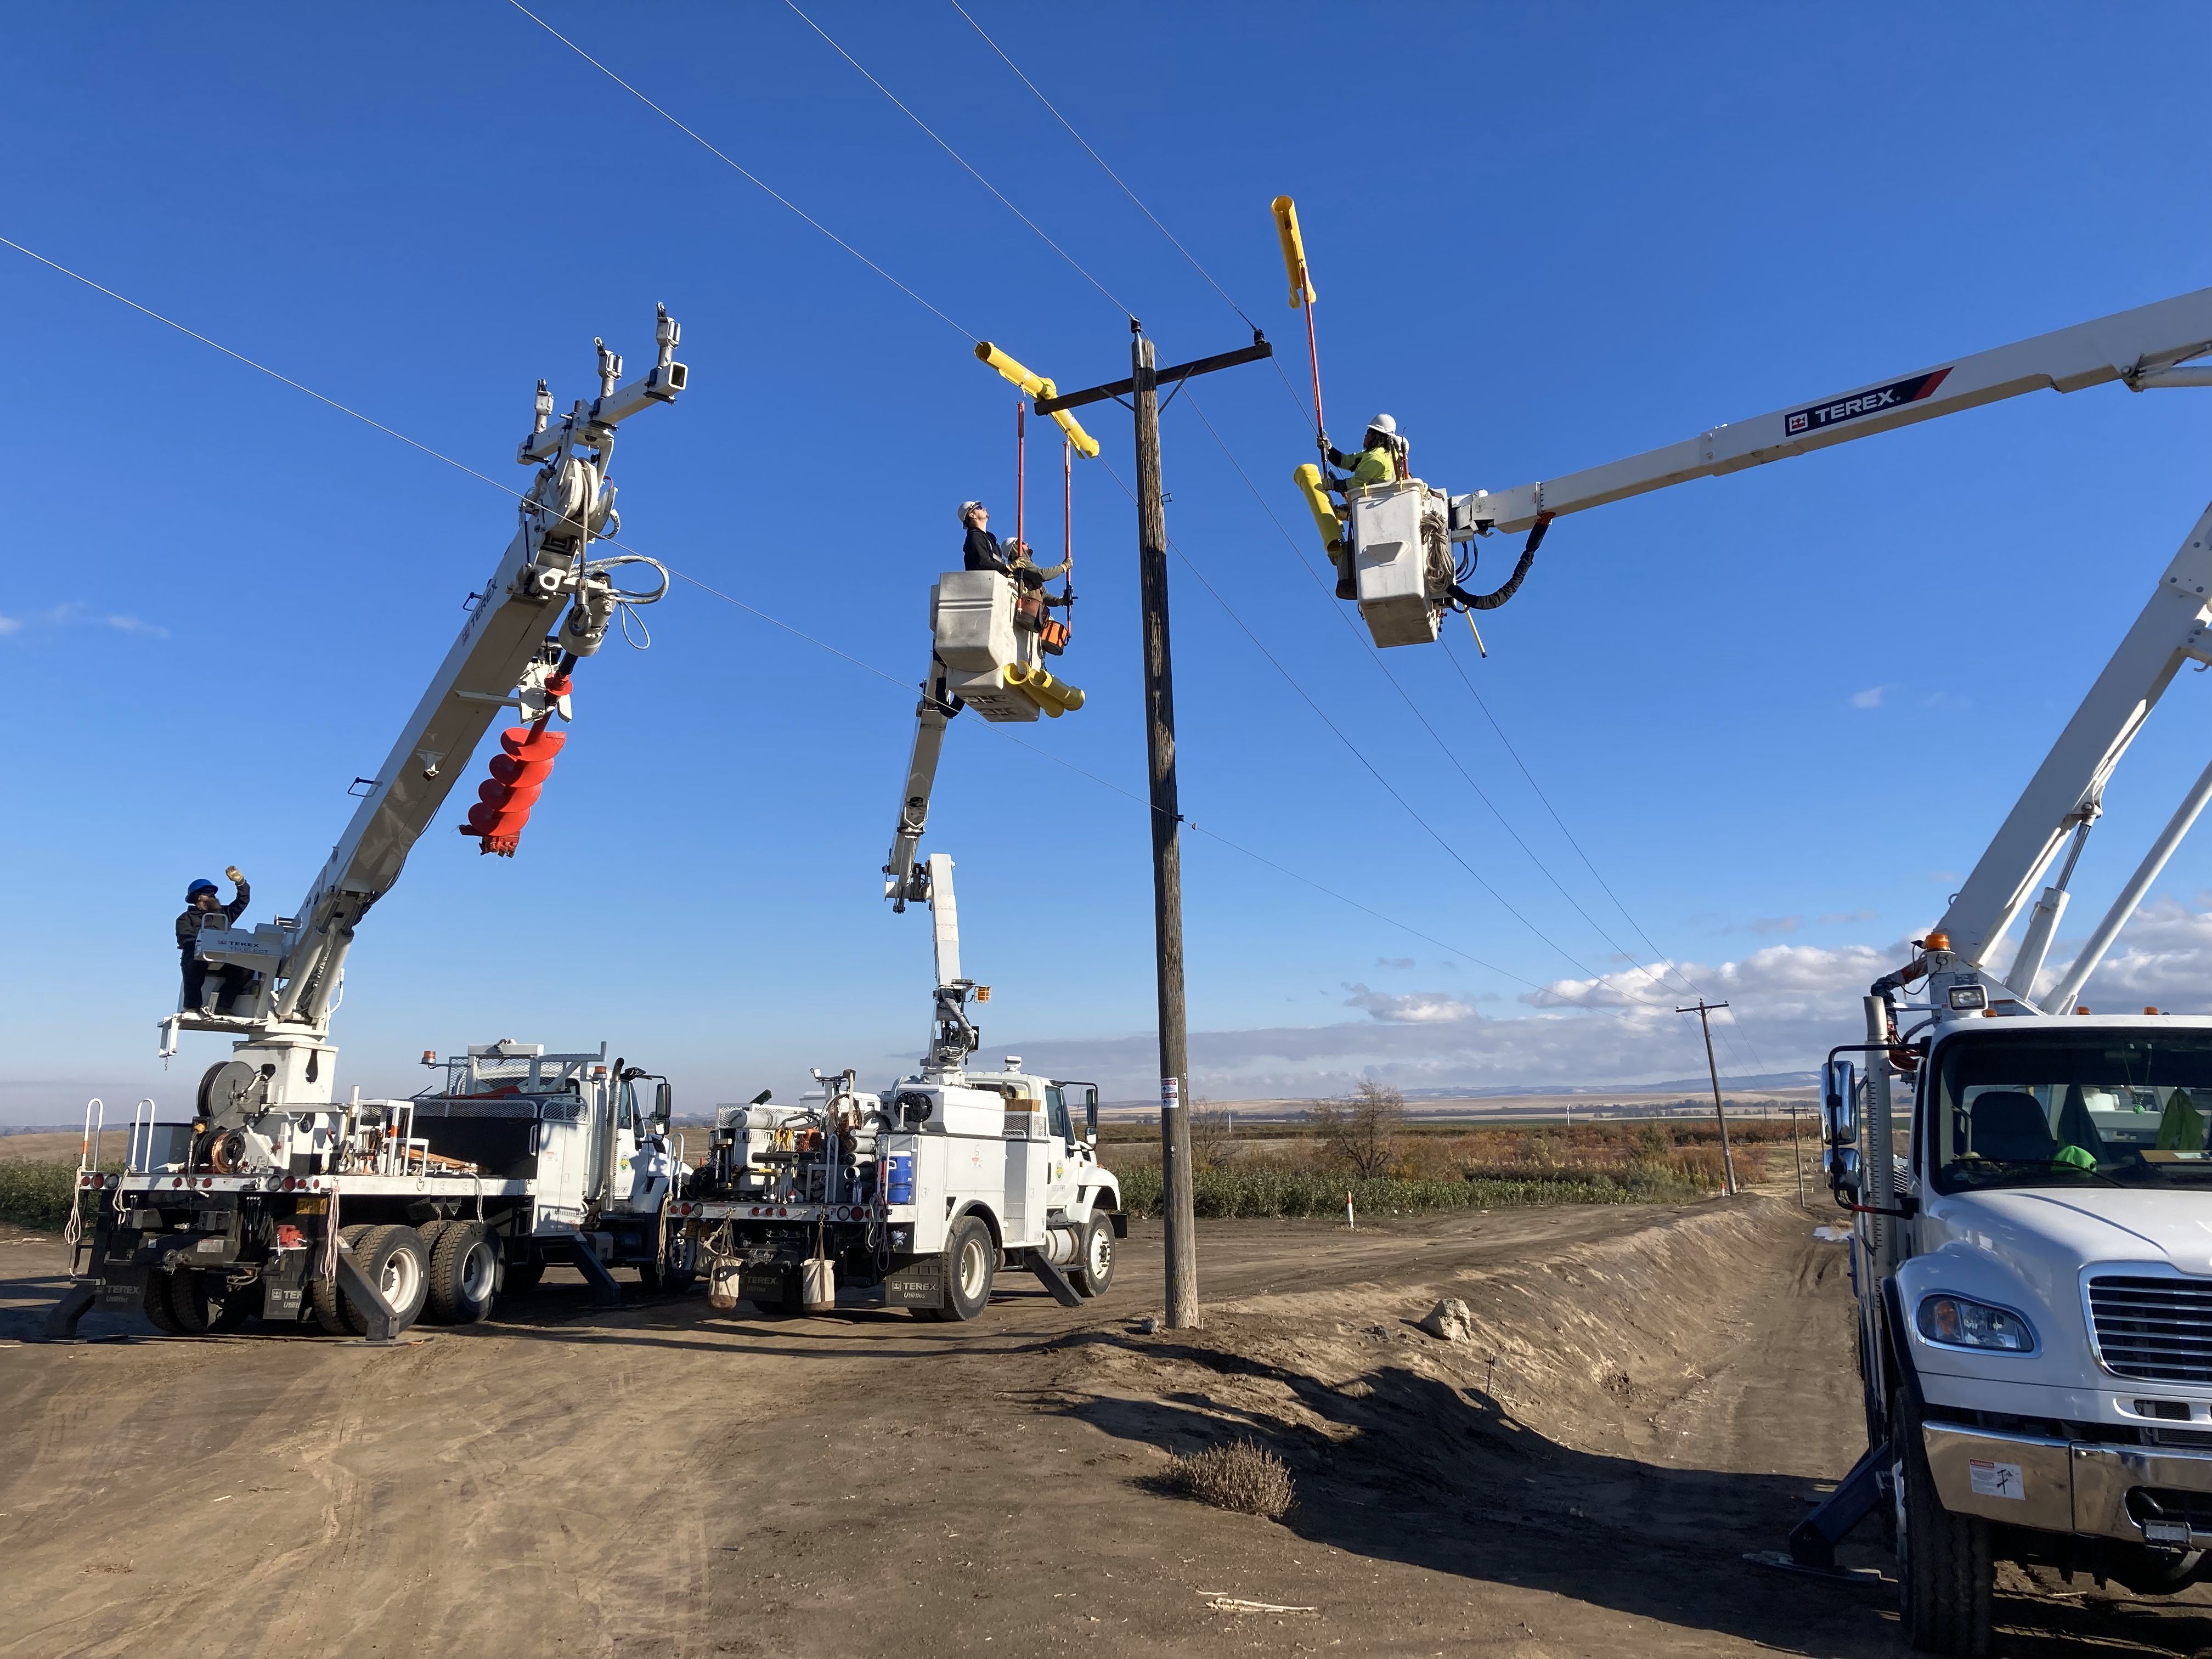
[{"x": 203, "y": 885}]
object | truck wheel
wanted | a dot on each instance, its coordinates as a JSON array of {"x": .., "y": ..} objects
[
  {"x": 666, "y": 1273},
  {"x": 1094, "y": 1262},
  {"x": 155, "y": 1304},
  {"x": 1944, "y": 1574},
  {"x": 971, "y": 1260},
  {"x": 203, "y": 1304},
  {"x": 390, "y": 1258},
  {"x": 463, "y": 1265},
  {"x": 323, "y": 1292}
]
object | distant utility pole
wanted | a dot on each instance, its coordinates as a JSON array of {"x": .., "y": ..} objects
[
  {"x": 1704, "y": 1009},
  {"x": 1142, "y": 390}
]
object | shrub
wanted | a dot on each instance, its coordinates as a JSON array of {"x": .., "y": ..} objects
[
  {"x": 1238, "y": 1476},
  {"x": 36, "y": 1192}
]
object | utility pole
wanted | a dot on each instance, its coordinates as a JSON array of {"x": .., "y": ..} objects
[
  {"x": 1142, "y": 389},
  {"x": 1704, "y": 1009}
]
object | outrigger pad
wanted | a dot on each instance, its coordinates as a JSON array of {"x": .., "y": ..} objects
[{"x": 1055, "y": 1280}]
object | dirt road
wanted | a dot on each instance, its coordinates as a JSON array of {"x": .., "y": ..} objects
[{"x": 1649, "y": 1393}]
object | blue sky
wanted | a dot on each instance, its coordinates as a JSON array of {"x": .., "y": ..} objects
[{"x": 1781, "y": 712}]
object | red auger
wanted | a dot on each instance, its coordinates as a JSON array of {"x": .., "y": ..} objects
[{"x": 518, "y": 772}]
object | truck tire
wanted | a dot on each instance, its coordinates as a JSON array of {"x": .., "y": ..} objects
[
  {"x": 1945, "y": 1577},
  {"x": 666, "y": 1271},
  {"x": 203, "y": 1304},
  {"x": 971, "y": 1262},
  {"x": 1093, "y": 1271},
  {"x": 463, "y": 1270},
  {"x": 393, "y": 1259},
  {"x": 323, "y": 1292},
  {"x": 155, "y": 1304}
]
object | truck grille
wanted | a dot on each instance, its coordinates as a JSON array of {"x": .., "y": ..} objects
[{"x": 2159, "y": 1329}]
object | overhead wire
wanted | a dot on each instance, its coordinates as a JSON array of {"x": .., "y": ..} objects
[
  {"x": 750, "y": 178},
  {"x": 1597, "y": 977},
  {"x": 1637, "y": 927},
  {"x": 1480, "y": 794},
  {"x": 752, "y": 610},
  {"x": 1660, "y": 956},
  {"x": 1074, "y": 264}
]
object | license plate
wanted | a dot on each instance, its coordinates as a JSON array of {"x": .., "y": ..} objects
[{"x": 312, "y": 1206}]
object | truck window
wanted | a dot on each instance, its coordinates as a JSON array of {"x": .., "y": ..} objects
[
  {"x": 1055, "y": 1113},
  {"x": 2124, "y": 1109},
  {"x": 626, "y": 1111}
]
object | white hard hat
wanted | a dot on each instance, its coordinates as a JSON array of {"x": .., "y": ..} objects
[
  {"x": 1384, "y": 424},
  {"x": 966, "y": 508}
]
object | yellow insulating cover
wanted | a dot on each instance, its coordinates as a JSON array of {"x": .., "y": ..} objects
[
  {"x": 1294, "y": 253},
  {"x": 1033, "y": 384},
  {"x": 1308, "y": 479},
  {"x": 1054, "y": 697},
  {"x": 1085, "y": 445}
]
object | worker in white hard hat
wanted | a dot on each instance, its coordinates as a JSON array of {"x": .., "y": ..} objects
[
  {"x": 984, "y": 551},
  {"x": 1379, "y": 459}
]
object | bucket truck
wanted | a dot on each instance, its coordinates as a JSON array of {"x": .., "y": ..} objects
[
  {"x": 916, "y": 1196},
  {"x": 2029, "y": 1249},
  {"x": 913, "y": 1197},
  {"x": 282, "y": 1202}
]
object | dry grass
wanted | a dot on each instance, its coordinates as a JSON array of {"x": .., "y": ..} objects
[{"x": 1236, "y": 1475}]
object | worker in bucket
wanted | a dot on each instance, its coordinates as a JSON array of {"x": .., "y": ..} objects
[
  {"x": 983, "y": 550},
  {"x": 202, "y": 907},
  {"x": 1374, "y": 462}
]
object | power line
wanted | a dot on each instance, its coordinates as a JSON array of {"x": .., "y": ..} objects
[
  {"x": 752, "y": 610},
  {"x": 1102, "y": 167},
  {"x": 1337, "y": 732},
  {"x": 1460, "y": 669},
  {"x": 741, "y": 173},
  {"x": 1072, "y": 262},
  {"x": 1297, "y": 397}
]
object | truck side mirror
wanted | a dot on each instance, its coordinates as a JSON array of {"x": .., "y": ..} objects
[
  {"x": 663, "y": 1102},
  {"x": 1842, "y": 1164},
  {"x": 1840, "y": 1113}
]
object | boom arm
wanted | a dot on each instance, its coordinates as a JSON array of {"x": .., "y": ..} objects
[
  {"x": 2144, "y": 348},
  {"x": 2139, "y": 347},
  {"x": 905, "y": 880},
  {"x": 503, "y": 657}
]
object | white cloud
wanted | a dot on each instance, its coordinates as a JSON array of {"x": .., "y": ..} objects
[
  {"x": 1871, "y": 697},
  {"x": 1415, "y": 1008},
  {"x": 75, "y": 613}
]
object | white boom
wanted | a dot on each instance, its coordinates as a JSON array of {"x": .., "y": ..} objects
[
  {"x": 515, "y": 650},
  {"x": 2145, "y": 348},
  {"x": 2140, "y": 346}
]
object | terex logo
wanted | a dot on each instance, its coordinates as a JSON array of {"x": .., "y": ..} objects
[{"x": 1911, "y": 390}]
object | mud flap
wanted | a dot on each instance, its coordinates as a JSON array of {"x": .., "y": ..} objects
[
  {"x": 1053, "y": 1280},
  {"x": 75, "y": 1303},
  {"x": 918, "y": 1285}
]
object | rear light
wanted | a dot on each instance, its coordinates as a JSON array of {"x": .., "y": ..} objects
[{"x": 178, "y": 1181}]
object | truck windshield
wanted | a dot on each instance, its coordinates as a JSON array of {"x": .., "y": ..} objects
[{"x": 2123, "y": 1108}]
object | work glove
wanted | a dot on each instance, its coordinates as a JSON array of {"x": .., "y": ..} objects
[{"x": 235, "y": 874}]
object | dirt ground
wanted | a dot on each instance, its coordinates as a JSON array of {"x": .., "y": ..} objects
[{"x": 1650, "y": 1392}]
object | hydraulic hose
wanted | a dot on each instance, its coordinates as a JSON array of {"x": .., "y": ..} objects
[{"x": 1491, "y": 601}]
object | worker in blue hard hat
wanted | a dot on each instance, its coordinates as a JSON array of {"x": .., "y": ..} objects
[
  {"x": 202, "y": 905},
  {"x": 1379, "y": 459}
]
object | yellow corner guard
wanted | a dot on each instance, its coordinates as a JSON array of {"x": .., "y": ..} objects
[
  {"x": 1054, "y": 697},
  {"x": 1294, "y": 252},
  {"x": 1036, "y": 385},
  {"x": 1308, "y": 478}
]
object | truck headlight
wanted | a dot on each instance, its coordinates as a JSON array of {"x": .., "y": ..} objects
[{"x": 1957, "y": 1322}]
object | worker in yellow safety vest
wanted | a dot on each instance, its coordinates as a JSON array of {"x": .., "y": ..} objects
[{"x": 1380, "y": 460}]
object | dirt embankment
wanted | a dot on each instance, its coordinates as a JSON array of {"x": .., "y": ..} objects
[{"x": 1645, "y": 1394}]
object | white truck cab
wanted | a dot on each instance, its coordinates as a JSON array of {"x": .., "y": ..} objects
[{"x": 2035, "y": 1298}]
